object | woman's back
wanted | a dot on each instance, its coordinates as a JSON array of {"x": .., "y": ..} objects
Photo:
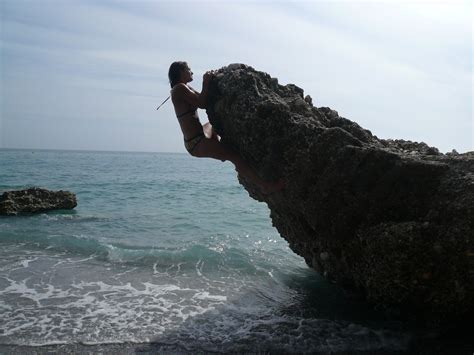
[{"x": 185, "y": 112}]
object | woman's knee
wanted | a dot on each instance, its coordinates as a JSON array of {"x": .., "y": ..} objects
[
  {"x": 193, "y": 153},
  {"x": 204, "y": 149}
]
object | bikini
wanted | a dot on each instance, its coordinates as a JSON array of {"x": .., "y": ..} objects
[{"x": 192, "y": 142}]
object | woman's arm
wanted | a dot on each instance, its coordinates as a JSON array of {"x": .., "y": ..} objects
[{"x": 193, "y": 97}]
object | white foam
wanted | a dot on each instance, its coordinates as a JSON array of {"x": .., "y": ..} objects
[
  {"x": 94, "y": 306},
  {"x": 18, "y": 264},
  {"x": 88, "y": 309},
  {"x": 204, "y": 295},
  {"x": 199, "y": 266}
]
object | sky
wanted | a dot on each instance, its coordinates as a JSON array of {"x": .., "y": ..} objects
[{"x": 88, "y": 75}]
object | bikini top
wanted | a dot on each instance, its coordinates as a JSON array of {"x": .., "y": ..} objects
[{"x": 193, "y": 110}]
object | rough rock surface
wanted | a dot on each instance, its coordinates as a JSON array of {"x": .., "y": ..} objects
[
  {"x": 392, "y": 218},
  {"x": 35, "y": 200}
]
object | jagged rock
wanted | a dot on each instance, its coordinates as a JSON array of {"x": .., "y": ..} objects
[
  {"x": 35, "y": 200},
  {"x": 393, "y": 218}
]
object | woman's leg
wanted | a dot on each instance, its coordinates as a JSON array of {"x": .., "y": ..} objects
[
  {"x": 210, "y": 148},
  {"x": 209, "y": 131}
]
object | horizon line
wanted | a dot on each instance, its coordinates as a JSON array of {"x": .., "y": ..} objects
[{"x": 92, "y": 150}]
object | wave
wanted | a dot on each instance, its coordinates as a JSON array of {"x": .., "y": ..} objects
[
  {"x": 204, "y": 258},
  {"x": 72, "y": 244},
  {"x": 69, "y": 216}
]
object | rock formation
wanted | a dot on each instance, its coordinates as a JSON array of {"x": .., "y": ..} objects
[
  {"x": 392, "y": 218},
  {"x": 35, "y": 200}
]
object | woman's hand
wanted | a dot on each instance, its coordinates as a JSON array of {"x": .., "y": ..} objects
[{"x": 207, "y": 76}]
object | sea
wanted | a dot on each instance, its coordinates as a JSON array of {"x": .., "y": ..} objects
[{"x": 168, "y": 253}]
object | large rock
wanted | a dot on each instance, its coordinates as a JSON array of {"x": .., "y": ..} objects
[
  {"x": 393, "y": 218},
  {"x": 35, "y": 200}
]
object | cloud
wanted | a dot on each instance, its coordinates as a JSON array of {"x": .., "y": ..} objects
[{"x": 402, "y": 70}]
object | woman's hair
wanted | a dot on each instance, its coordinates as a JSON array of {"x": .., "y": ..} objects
[{"x": 175, "y": 72}]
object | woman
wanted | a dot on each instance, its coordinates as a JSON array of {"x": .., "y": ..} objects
[{"x": 201, "y": 141}]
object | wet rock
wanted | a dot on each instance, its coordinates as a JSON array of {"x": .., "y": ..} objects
[
  {"x": 396, "y": 217},
  {"x": 35, "y": 200}
]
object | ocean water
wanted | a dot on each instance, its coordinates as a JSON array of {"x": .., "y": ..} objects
[{"x": 164, "y": 249}]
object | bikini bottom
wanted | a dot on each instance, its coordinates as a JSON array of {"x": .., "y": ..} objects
[{"x": 191, "y": 143}]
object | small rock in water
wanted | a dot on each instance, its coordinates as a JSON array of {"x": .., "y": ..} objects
[{"x": 35, "y": 200}]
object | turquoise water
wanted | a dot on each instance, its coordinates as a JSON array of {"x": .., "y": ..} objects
[{"x": 168, "y": 249}]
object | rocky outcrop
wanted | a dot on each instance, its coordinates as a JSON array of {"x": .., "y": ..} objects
[
  {"x": 392, "y": 218},
  {"x": 35, "y": 200}
]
